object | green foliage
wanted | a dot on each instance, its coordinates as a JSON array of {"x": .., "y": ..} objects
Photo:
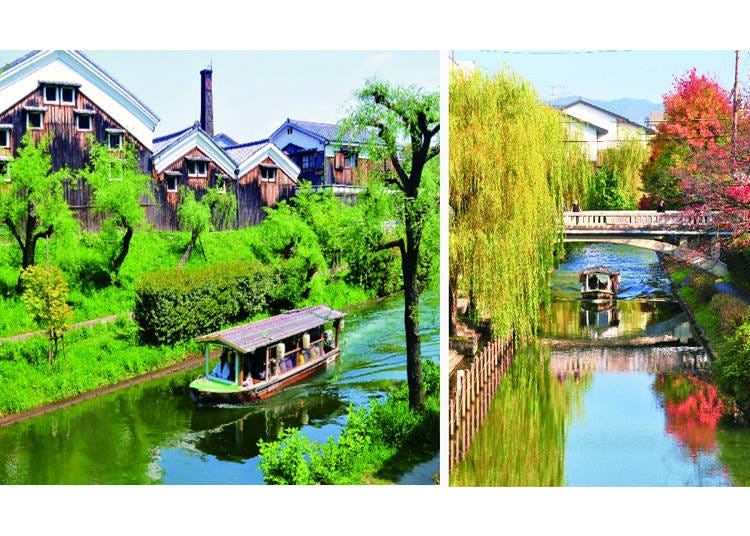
[
  {"x": 731, "y": 312},
  {"x": 367, "y": 444},
  {"x": 608, "y": 191},
  {"x": 117, "y": 188},
  {"x": 32, "y": 203},
  {"x": 510, "y": 169},
  {"x": 180, "y": 304},
  {"x": 731, "y": 369},
  {"x": 289, "y": 245},
  {"x": 223, "y": 208},
  {"x": 102, "y": 355},
  {"x": 617, "y": 184},
  {"x": 703, "y": 286},
  {"x": 45, "y": 298}
]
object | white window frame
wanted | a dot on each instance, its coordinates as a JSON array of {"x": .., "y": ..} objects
[
  {"x": 120, "y": 141},
  {"x": 70, "y": 102},
  {"x": 264, "y": 170},
  {"x": 7, "y": 132},
  {"x": 56, "y": 90},
  {"x": 307, "y": 158},
  {"x": 91, "y": 123},
  {"x": 29, "y": 113},
  {"x": 176, "y": 179},
  {"x": 196, "y": 172}
]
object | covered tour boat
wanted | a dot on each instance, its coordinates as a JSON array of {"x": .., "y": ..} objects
[
  {"x": 259, "y": 358},
  {"x": 599, "y": 283}
]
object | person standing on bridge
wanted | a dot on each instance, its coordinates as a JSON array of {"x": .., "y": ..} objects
[
  {"x": 575, "y": 207},
  {"x": 661, "y": 207}
]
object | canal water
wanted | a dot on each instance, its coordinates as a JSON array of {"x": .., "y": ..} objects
[
  {"x": 592, "y": 403},
  {"x": 152, "y": 433}
]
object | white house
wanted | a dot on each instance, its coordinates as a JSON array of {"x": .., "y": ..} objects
[{"x": 601, "y": 129}]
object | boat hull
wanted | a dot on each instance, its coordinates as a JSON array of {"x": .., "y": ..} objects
[
  {"x": 598, "y": 295},
  {"x": 206, "y": 391}
]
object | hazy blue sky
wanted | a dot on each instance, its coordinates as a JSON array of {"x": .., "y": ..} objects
[
  {"x": 255, "y": 92},
  {"x": 611, "y": 74}
]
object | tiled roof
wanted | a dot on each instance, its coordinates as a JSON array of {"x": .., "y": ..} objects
[
  {"x": 327, "y": 131},
  {"x": 248, "y": 337},
  {"x": 165, "y": 141},
  {"x": 240, "y": 153}
]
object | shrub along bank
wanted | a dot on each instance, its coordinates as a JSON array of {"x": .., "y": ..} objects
[
  {"x": 725, "y": 321},
  {"x": 377, "y": 445}
]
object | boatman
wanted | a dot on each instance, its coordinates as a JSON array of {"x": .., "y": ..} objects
[{"x": 222, "y": 368}]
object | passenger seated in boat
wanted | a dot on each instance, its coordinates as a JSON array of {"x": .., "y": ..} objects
[{"x": 222, "y": 370}]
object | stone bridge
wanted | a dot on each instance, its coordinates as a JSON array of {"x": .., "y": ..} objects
[{"x": 666, "y": 232}]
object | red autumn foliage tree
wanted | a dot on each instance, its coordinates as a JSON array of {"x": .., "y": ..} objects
[
  {"x": 696, "y": 163},
  {"x": 698, "y": 116}
]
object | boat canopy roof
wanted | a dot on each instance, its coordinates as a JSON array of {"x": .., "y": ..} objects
[
  {"x": 599, "y": 270},
  {"x": 248, "y": 337}
]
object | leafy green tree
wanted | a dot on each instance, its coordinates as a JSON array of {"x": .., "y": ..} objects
[
  {"x": 32, "y": 204},
  {"x": 45, "y": 298},
  {"x": 402, "y": 127},
  {"x": 223, "y": 207},
  {"x": 350, "y": 236},
  {"x": 117, "y": 187},
  {"x": 287, "y": 243},
  {"x": 192, "y": 216}
]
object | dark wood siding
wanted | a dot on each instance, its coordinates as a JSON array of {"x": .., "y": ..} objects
[
  {"x": 68, "y": 147},
  {"x": 253, "y": 193},
  {"x": 164, "y": 214}
]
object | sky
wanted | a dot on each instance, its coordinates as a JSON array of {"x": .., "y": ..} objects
[
  {"x": 611, "y": 74},
  {"x": 254, "y": 92}
]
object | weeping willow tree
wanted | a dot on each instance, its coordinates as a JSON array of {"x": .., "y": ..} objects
[
  {"x": 618, "y": 183},
  {"x": 511, "y": 167}
]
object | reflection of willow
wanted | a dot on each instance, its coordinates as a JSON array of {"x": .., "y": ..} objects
[
  {"x": 471, "y": 393},
  {"x": 570, "y": 320},
  {"x": 522, "y": 441}
]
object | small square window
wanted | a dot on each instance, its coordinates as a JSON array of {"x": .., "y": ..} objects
[
  {"x": 34, "y": 120},
  {"x": 83, "y": 122},
  {"x": 289, "y": 130},
  {"x": 50, "y": 94},
  {"x": 5, "y": 138},
  {"x": 172, "y": 183},
  {"x": 351, "y": 160},
  {"x": 67, "y": 95},
  {"x": 267, "y": 174},
  {"x": 114, "y": 141},
  {"x": 196, "y": 168}
]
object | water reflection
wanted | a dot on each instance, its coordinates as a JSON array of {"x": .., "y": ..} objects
[
  {"x": 153, "y": 433},
  {"x": 616, "y": 395}
]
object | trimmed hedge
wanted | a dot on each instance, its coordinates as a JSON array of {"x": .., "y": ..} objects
[{"x": 180, "y": 304}]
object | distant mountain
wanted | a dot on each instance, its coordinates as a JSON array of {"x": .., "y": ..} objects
[{"x": 637, "y": 110}]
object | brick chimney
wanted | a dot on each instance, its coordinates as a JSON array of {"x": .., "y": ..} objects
[{"x": 207, "y": 102}]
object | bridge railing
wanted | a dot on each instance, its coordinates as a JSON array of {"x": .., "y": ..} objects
[{"x": 638, "y": 220}]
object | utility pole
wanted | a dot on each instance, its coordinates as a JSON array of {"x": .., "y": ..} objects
[{"x": 734, "y": 105}]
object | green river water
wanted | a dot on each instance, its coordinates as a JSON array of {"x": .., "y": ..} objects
[
  {"x": 583, "y": 411},
  {"x": 152, "y": 433}
]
